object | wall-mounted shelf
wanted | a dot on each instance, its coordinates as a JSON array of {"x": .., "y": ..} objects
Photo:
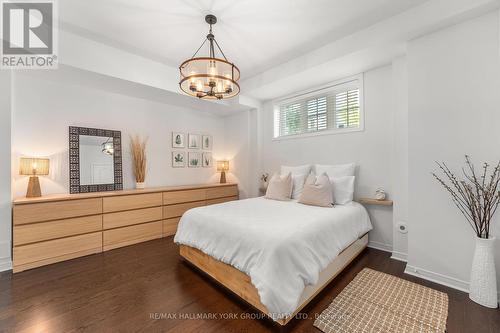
[{"x": 370, "y": 201}]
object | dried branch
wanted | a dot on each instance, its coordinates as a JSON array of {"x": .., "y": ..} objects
[{"x": 475, "y": 197}]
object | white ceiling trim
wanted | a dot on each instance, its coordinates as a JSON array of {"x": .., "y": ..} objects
[{"x": 363, "y": 50}]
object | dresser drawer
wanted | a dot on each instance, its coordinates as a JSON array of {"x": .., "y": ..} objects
[
  {"x": 121, "y": 219},
  {"x": 221, "y": 192},
  {"x": 129, "y": 202},
  {"x": 57, "y": 210},
  {"x": 170, "y": 226},
  {"x": 220, "y": 200},
  {"x": 175, "y": 197},
  {"x": 37, "y": 232},
  {"x": 179, "y": 209},
  {"x": 43, "y": 253},
  {"x": 131, "y": 235}
]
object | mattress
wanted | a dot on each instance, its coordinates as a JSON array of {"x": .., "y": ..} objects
[{"x": 281, "y": 245}]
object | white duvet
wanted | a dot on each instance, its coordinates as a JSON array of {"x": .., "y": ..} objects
[{"x": 282, "y": 246}]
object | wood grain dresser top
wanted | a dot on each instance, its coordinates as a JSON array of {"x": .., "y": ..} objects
[{"x": 65, "y": 196}]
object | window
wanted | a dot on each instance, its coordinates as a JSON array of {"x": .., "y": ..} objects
[
  {"x": 316, "y": 114},
  {"x": 347, "y": 109},
  {"x": 337, "y": 108}
]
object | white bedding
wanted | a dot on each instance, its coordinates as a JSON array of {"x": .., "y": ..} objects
[{"x": 281, "y": 245}]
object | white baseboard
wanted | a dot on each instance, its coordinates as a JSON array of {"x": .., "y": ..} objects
[
  {"x": 440, "y": 278},
  {"x": 5, "y": 264},
  {"x": 399, "y": 256},
  {"x": 380, "y": 246},
  {"x": 388, "y": 248},
  {"x": 5, "y": 260}
]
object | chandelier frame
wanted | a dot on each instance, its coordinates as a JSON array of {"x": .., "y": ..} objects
[{"x": 215, "y": 86}]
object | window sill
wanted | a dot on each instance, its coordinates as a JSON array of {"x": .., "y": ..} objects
[{"x": 319, "y": 133}]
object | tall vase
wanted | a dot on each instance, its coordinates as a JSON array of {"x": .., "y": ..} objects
[{"x": 483, "y": 279}]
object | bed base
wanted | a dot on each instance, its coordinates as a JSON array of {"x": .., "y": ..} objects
[{"x": 240, "y": 284}]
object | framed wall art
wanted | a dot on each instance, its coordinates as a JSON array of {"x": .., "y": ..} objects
[
  {"x": 207, "y": 160},
  {"x": 194, "y": 141},
  {"x": 178, "y": 159},
  {"x": 206, "y": 142},
  {"x": 178, "y": 140},
  {"x": 194, "y": 160}
]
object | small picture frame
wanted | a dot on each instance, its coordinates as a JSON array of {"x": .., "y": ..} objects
[
  {"x": 178, "y": 140},
  {"x": 194, "y": 141},
  {"x": 207, "y": 160},
  {"x": 194, "y": 160},
  {"x": 178, "y": 159},
  {"x": 206, "y": 142}
]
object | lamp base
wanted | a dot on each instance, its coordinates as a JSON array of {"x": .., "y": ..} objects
[
  {"x": 34, "y": 190},
  {"x": 223, "y": 177}
]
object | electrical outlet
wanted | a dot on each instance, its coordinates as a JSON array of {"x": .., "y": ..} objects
[{"x": 402, "y": 228}]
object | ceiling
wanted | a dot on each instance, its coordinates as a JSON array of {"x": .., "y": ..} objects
[{"x": 256, "y": 35}]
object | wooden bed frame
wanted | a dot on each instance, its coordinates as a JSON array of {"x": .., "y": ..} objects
[{"x": 240, "y": 284}]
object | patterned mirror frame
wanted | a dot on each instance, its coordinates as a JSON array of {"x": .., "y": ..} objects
[{"x": 74, "y": 160}]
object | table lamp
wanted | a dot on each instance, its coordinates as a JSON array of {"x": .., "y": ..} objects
[
  {"x": 34, "y": 167},
  {"x": 222, "y": 166}
]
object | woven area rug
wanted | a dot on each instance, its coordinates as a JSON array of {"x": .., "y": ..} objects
[{"x": 379, "y": 302}]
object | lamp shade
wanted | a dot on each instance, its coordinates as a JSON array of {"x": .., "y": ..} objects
[
  {"x": 222, "y": 165},
  {"x": 34, "y": 166}
]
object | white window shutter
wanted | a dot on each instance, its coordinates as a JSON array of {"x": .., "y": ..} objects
[{"x": 332, "y": 109}]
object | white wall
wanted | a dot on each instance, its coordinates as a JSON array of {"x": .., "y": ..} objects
[
  {"x": 400, "y": 157},
  {"x": 240, "y": 142},
  {"x": 5, "y": 190},
  {"x": 371, "y": 149},
  {"x": 44, "y": 109},
  {"x": 454, "y": 100}
]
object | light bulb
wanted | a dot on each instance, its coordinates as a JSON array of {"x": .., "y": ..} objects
[
  {"x": 228, "y": 86},
  {"x": 192, "y": 82},
  {"x": 212, "y": 69},
  {"x": 212, "y": 72}
]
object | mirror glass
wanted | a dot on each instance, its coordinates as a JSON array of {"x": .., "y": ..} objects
[{"x": 96, "y": 160}]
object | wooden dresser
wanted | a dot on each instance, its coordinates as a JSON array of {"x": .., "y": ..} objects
[{"x": 54, "y": 228}]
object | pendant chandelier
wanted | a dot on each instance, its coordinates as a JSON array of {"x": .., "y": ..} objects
[{"x": 209, "y": 77}]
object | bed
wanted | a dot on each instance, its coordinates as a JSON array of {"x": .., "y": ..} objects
[{"x": 276, "y": 255}]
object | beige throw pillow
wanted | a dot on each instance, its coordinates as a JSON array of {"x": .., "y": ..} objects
[
  {"x": 280, "y": 187},
  {"x": 317, "y": 191}
]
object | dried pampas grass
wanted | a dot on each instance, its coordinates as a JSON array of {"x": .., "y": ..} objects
[{"x": 138, "y": 149}]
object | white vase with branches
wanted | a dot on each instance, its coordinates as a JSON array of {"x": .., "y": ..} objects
[
  {"x": 138, "y": 151},
  {"x": 477, "y": 197}
]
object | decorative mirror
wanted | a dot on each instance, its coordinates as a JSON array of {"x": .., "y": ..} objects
[{"x": 95, "y": 160}]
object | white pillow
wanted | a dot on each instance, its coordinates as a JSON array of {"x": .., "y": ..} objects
[
  {"x": 296, "y": 170},
  {"x": 298, "y": 185},
  {"x": 336, "y": 171},
  {"x": 343, "y": 189},
  {"x": 280, "y": 187}
]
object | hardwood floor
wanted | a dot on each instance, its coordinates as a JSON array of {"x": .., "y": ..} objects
[{"x": 147, "y": 288}]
